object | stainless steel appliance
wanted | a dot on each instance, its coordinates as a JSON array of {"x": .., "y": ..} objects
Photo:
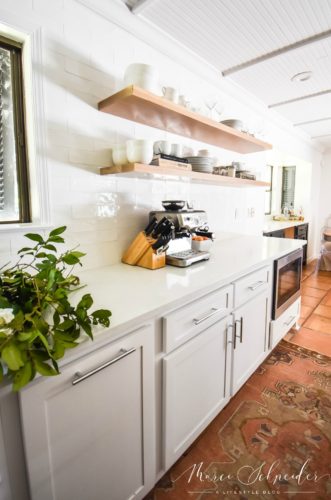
[
  {"x": 185, "y": 221},
  {"x": 287, "y": 281}
]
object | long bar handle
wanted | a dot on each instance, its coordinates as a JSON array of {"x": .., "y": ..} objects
[
  {"x": 214, "y": 310},
  {"x": 256, "y": 285},
  {"x": 123, "y": 353},
  {"x": 241, "y": 322},
  {"x": 286, "y": 323}
]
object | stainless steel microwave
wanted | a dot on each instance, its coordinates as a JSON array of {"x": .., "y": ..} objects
[{"x": 287, "y": 281}]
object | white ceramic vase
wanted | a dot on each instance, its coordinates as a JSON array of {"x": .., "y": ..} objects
[
  {"x": 142, "y": 75},
  {"x": 139, "y": 151}
]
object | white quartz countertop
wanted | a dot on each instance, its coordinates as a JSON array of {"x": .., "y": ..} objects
[
  {"x": 134, "y": 294},
  {"x": 277, "y": 225}
]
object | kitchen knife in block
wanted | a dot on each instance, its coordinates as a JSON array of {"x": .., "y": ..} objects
[
  {"x": 152, "y": 260},
  {"x": 136, "y": 250}
]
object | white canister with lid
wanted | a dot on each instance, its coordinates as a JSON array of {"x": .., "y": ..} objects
[{"x": 142, "y": 75}]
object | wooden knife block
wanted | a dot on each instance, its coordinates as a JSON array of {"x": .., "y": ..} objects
[{"x": 140, "y": 253}]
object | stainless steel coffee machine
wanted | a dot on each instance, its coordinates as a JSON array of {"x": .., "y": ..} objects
[{"x": 183, "y": 223}]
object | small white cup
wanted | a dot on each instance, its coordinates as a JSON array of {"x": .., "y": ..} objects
[
  {"x": 139, "y": 151},
  {"x": 119, "y": 154},
  {"x": 162, "y": 147},
  {"x": 170, "y": 93},
  {"x": 183, "y": 101},
  {"x": 177, "y": 150}
]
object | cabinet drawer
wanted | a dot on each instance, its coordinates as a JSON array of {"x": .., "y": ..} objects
[
  {"x": 186, "y": 322},
  {"x": 252, "y": 284},
  {"x": 280, "y": 326}
]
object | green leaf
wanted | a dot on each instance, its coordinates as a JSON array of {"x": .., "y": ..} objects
[
  {"x": 39, "y": 355},
  {"x": 1, "y": 373},
  {"x": 51, "y": 278},
  {"x": 12, "y": 356},
  {"x": 25, "y": 249},
  {"x": 60, "y": 293},
  {"x": 56, "y": 318},
  {"x": 102, "y": 316},
  {"x": 18, "y": 321},
  {"x": 27, "y": 336},
  {"x": 4, "y": 302},
  {"x": 23, "y": 376},
  {"x": 44, "y": 369},
  {"x": 34, "y": 237},
  {"x": 45, "y": 343},
  {"x": 41, "y": 255},
  {"x": 78, "y": 254},
  {"x": 50, "y": 247},
  {"x": 70, "y": 259},
  {"x": 56, "y": 239},
  {"x": 58, "y": 230},
  {"x": 58, "y": 349},
  {"x": 86, "y": 327},
  {"x": 66, "y": 324},
  {"x": 85, "y": 302}
]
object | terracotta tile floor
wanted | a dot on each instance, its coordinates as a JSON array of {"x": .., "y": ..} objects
[{"x": 315, "y": 320}]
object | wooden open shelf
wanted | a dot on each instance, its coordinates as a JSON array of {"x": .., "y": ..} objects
[
  {"x": 141, "y": 170},
  {"x": 138, "y": 105}
]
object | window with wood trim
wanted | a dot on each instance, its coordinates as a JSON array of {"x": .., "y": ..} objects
[
  {"x": 14, "y": 183},
  {"x": 288, "y": 187}
]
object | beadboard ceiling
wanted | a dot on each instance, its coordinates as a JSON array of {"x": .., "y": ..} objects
[{"x": 260, "y": 45}]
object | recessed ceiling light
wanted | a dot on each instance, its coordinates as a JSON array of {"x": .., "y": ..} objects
[{"x": 302, "y": 77}]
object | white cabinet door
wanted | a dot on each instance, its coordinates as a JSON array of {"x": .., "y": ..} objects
[
  {"x": 251, "y": 324},
  {"x": 195, "y": 388},
  {"x": 94, "y": 438}
]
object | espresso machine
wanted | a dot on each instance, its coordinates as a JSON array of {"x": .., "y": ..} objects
[{"x": 179, "y": 224}]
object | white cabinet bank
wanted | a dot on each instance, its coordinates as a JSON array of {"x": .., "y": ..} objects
[{"x": 125, "y": 407}]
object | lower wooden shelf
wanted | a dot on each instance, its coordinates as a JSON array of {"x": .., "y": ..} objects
[{"x": 146, "y": 171}]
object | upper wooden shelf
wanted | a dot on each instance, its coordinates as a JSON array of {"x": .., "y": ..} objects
[
  {"x": 136, "y": 104},
  {"x": 141, "y": 170}
]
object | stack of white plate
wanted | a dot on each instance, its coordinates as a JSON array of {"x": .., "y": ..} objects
[{"x": 202, "y": 163}]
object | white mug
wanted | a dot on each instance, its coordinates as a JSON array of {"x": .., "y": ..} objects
[
  {"x": 139, "y": 151},
  {"x": 162, "y": 147},
  {"x": 183, "y": 101},
  {"x": 119, "y": 154},
  {"x": 170, "y": 93},
  {"x": 177, "y": 150}
]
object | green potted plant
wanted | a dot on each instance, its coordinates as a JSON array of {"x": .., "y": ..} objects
[{"x": 38, "y": 322}]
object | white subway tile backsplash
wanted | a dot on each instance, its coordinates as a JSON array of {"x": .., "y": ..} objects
[{"x": 85, "y": 60}]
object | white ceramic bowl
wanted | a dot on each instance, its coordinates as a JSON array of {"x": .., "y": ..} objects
[
  {"x": 139, "y": 151},
  {"x": 142, "y": 75},
  {"x": 119, "y": 154}
]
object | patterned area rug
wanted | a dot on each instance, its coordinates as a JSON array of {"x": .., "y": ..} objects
[{"x": 272, "y": 441}]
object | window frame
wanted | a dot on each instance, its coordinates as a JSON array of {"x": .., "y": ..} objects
[
  {"x": 269, "y": 189},
  {"x": 282, "y": 201},
  {"x": 23, "y": 184}
]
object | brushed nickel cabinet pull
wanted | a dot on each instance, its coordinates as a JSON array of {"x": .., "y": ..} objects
[
  {"x": 214, "y": 310},
  {"x": 286, "y": 323},
  {"x": 256, "y": 285},
  {"x": 123, "y": 353},
  {"x": 241, "y": 322}
]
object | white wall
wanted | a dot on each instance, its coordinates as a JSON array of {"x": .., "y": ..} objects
[
  {"x": 325, "y": 192},
  {"x": 85, "y": 56}
]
